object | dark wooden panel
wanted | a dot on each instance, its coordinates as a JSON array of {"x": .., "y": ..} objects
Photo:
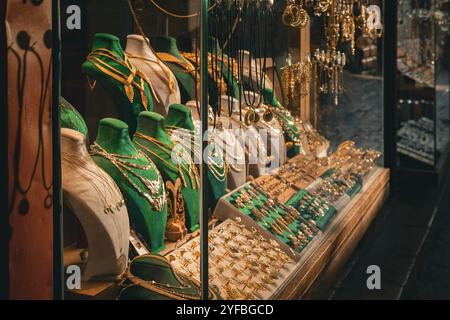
[{"x": 30, "y": 176}]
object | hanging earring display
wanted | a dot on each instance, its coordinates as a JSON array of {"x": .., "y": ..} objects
[
  {"x": 330, "y": 67},
  {"x": 342, "y": 20},
  {"x": 296, "y": 79}
]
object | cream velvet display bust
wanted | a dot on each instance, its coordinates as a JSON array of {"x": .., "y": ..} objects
[
  {"x": 99, "y": 206},
  {"x": 164, "y": 83}
]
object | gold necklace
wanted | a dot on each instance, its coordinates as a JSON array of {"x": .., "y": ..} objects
[
  {"x": 190, "y": 168},
  {"x": 154, "y": 191},
  {"x": 168, "y": 80},
  {"x": 106, "y": 194},
  {"x": 217, "y": 168},
  {"x": 128, "y": 80}
]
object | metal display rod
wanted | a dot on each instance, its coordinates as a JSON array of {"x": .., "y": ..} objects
[{"x": 204, "y": 126}]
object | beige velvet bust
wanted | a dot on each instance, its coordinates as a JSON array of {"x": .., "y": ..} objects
[
  {"x": 161, "y": 77},
  {"x": 86, "y": 191}
]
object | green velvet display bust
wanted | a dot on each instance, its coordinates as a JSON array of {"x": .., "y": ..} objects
[
  {"x": 147, "y": 218},
  {"x": 71, "y": 118},
  {"x": 184, "y": 70},
  {"x": 152, "y": 138},
  {"x": 186, "y": 82},
  {"x": 287, "y": 121},
  {"x": 108, "y": 65},
  {"x": 180, "y": 116},
  {"x": 151, "y": 277}
]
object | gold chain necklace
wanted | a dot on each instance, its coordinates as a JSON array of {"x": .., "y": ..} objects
[
  {"x": 128, "y": 80},
  {"x": 82, "y": 168},
  {"x": 189, "y": 168},
  {"x": 168, "y": 80},
  {"x": 154, "y": 193},
  {"x": 217, "y": 169}
]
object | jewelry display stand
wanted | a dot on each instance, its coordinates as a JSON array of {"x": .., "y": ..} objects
[
  {"x": 188, "y": 254},
  {"x": 99, "y": 206},
  {"x": 164, "y": 83},
  {"x": 281, "y": 223},
  {"x": 319, "y": 263}
]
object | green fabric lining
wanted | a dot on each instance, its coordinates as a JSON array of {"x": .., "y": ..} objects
[
  {"x": 71, "y": 118},
  {"x": 320, "y": 222}
]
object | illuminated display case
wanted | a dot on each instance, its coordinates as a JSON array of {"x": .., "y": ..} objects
[
  {"x": 422, "y": 106},
  {"x": 289, "y": 97}
]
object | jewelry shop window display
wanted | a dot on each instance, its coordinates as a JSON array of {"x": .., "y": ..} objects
[{"x": 278, "y": 190}]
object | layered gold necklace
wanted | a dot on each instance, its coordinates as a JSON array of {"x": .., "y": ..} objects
[
  {"x": 181, "y": 163},
  {"x": 153, "y": 190},
  {"x": 187, "y": 139},
  {"x": 128, "y": 79},
  {"x": 103, "y": 185},
  {"x": 168, "y": 79}
]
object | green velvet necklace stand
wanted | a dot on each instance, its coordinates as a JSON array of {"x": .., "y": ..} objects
[
  {"x": 181, "y": 116},
  {"x": 128, "y": 111},
  {"x": 185, "y": 80},
  {"x": 151, "y": 277},
  {"x": 152, "y": 125},
  {"x": 113, "y": 136}
]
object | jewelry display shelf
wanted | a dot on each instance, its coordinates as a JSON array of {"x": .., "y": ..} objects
[
  {"x": 283, "y": 273},
  {"x": 321, "y": 262}
]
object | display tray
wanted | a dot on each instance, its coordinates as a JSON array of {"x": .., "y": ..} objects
[
  {"x": 321, "y": 262},
  {"x": 233, "y": 285}
]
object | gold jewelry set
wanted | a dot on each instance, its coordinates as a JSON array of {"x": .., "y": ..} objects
[
  {"x": 340, "y": 25},
  {"x": 183, "y": 164},
  {"x": 349, "y": 164},
  {"x": 294, "y": 15},
  {"x": 132, "y": 78},
  {"x": 329, "y": 69},
  {"x": 151, "y": 189},
  {"x": 313, "y": 205},
  {"x": 189, "y": 140},
  {"x": 274, "y": 185},
  {"x": 242, "y": 263},
  {"x": 304, "y": 171},
  {"x": 273, "y": 216},
  {"x": 169, "y": 79}
]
